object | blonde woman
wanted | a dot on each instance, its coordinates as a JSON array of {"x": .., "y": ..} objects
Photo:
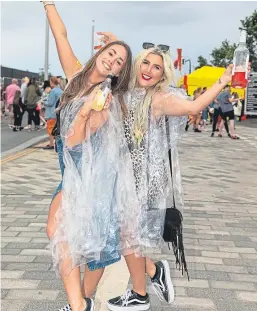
[{"x": 148, "y": 101}]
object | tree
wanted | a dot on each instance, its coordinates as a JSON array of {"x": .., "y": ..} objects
[
  {"x": 201, "y": 62},
  {"x": 250, "y": 25},
  {"x": 223, "y": 56}
]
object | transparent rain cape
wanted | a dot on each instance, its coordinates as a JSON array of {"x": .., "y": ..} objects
[
  {"x": 112, "y": 204},
  {"x": 155, "y": 187},
  {"x": 99, "y": 214}
]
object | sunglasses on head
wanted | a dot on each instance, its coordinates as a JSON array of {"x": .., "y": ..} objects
[{"x": 162, "y": 47}]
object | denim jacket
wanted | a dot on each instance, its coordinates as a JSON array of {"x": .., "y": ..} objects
[{"x": 50, "y": 103}]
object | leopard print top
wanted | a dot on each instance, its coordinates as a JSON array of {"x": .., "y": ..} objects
[{"x": 150, "y": 171}]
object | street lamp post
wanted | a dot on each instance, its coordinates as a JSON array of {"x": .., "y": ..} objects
[
  {"x": 93, "y": 37},
  {"x": 190, "y": 65},
  {"x": 46, "y": 51}
]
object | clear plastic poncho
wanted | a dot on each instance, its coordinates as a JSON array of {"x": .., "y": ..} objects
[
  {"x": 99, "y": 213},
  {"x": 156, "y": 189},
  {"x": 115, "y": 195}
]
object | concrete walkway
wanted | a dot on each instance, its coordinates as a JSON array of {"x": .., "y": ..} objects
[{"x": 220, "y": 230}]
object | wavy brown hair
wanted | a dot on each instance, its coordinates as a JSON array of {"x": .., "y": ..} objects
[{"x": 76, "y": 86}]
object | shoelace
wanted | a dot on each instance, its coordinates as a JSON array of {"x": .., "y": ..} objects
[
  {"x": 125, "y": 297},
  {"x": 158, "y": 289}
]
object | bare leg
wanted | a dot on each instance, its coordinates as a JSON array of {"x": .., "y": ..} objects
[
  {"x": 191, "y": 121},
  {"x": 194, "y": 122},
  {"x": 197, "y": 121},
  {"x": 72, "y": 284},
  {"x": 232, "y": 127},
  {"x": 43, "y": 120},
  {"x": 51, "y": 140},
  {"x": 150, "y": 267},
  {"x": 136, "y": 266},
  {"x": 51, "y": 227},
  {"x": 91, "y": 280},
  {"x": 226, "y": 126},
  {"x": 72, "y": 281},
  {"x": 221, "y": 126}
]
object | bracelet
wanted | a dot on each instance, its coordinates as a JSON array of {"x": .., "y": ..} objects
[{"x": 48, "y": 3}]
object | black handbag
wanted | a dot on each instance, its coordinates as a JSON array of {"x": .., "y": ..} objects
[{"x": 173, "y": 230}]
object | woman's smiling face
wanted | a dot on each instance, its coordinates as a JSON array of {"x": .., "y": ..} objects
[
  {"x": 111, "y": 60},
  {"x": 151, "y": 71}
]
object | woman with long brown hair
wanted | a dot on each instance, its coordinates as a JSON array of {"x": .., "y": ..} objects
[{"x": 82, "y": 220}]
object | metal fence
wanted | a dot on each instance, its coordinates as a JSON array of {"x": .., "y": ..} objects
[
  {"x": 7, "y": 74},
  {"x": 5, "y": 81}
]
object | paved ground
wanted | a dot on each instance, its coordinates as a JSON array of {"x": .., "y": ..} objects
[
  {"x": 10, "y": 139},
  {"x": 251, "y": 121},
  {"x": 220, "y": 232}
]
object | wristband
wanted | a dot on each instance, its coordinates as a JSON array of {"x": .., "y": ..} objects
[{"x": 48, "y": 3}]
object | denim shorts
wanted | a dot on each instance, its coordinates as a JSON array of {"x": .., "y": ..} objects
[
  {"x": 205, "y": 114},
  {"x": 107, "y": 257}
]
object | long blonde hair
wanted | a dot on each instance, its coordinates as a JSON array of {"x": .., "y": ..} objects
[{"x": 141, "y": 113}]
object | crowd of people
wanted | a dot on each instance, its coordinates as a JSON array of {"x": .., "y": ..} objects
[
  {"x": 39, "y": 100},
  {"x": 224, "y": 110}
]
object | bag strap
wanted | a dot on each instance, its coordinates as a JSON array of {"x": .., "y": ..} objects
[{"x": 178, "y": 247}]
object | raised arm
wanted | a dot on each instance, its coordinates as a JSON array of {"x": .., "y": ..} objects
[
  {"x": 172, "y": 105},
  {"x": 67, "y": 58}
]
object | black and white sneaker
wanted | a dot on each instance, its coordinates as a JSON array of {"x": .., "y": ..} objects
[
  {"x": 161, "y": 282},
  {"x": 90, "y": 306},
  {"x": 65, "y": 308},
  {"x": 130, "y": 301}
]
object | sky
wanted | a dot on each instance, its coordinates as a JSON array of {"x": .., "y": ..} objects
[{"x": 196, "y": 27}]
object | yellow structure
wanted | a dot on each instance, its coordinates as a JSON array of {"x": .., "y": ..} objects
[{"x": 206, "y": 76}]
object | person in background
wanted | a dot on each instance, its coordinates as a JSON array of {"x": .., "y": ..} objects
[
  {"x": 204, "y": 112},
  {"x": 237, "y": 105},
  {"x": 183, "y": 89},
  {"x": 2, "y": 100},
  {"x": 17, "y": 111},
  {"x": 196, "y": 119},
  {"x": 59, "y": 79},
  {"x": 10, "y": 93},
  {"x": 31, "y": 99},
  {"x": 216, "y": 115},
  {"x": 24, "y": 85},
  {"x": 50, "y": 114},
  {"x": 62, "y": 82},
  {"x": 46, "y": 91},
  {"x": 225, "y": 101}
]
